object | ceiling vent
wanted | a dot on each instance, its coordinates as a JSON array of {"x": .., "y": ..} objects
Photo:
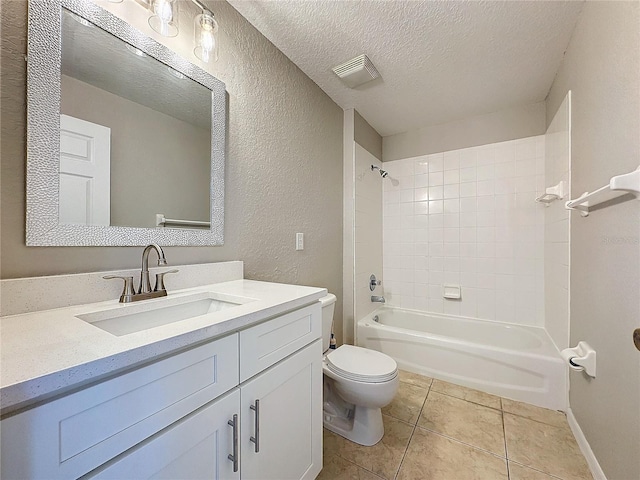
[{"x": 356, "y": 71}]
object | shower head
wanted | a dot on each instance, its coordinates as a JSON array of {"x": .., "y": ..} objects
[{"x": 383, "y": 173}]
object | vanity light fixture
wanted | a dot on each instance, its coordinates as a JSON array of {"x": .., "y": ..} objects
[
  {"x": 164, "y": 18},
  {"x": 205, "y": 31}
]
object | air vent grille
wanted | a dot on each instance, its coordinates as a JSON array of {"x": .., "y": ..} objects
[{"x": 357, "y": 71}]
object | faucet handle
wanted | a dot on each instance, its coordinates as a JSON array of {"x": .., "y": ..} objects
[
  {"x": 160, "y": 280},
  {"x": 128, "y": 291}
]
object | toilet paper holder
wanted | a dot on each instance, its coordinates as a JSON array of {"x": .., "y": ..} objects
[{"x": 581, "y": 358}]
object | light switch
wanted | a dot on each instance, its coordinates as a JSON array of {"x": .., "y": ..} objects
[{"x": 299, "y": 241}]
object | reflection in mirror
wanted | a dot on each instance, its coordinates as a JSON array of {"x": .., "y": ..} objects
[
  {"x": 121, "y": 132},
  {"x": 134, "y": 134}
]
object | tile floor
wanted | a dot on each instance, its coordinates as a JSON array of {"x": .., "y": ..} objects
[{"x": 438, "y": 430}]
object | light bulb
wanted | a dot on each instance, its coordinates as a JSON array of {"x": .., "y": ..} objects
[
  {"x": 207, "y": 40},
  {"x": 164, "y": 18},
  {"x": 205, "y": 30},
  {"x": 163, "y": 10}
]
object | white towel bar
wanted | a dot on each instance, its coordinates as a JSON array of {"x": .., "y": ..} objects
[
  {"x": 162, "y": 221},
  {"x": 618, "y": 185}
]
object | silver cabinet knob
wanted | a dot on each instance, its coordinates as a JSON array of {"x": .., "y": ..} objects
[{"x": 128, "y": 291}]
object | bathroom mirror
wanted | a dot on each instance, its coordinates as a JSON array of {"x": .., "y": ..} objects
[{"x": 122, "y": 134}]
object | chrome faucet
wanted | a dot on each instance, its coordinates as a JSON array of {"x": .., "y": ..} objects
[
  {"x": 145, "y": 286},
  {"x": 377, "y": 298},
  {"x": 144, "y": 290}
]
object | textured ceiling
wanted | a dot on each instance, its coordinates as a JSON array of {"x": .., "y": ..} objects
[{"x": 439, "y": 60}]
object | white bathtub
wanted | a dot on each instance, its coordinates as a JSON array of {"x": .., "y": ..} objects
[{"x": 512, "y": 361}]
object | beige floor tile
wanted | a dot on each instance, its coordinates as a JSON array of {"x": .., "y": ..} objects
[
  {"x": 469, "y": 394},
  {"x": 467, "y": 422},
  {"x": 544, "y": 447},
  {"x": 407, "y": 403},
  {"x": 432, "y": 456},
  {"x": 520, "y": 472},
  {"x": 415, "y": 379},
  {"x": 539, "y": 414},
  {"x": 383, "y": 458},
  {"x": 337, "y": 468},
  {"x": 331, "y": 443}
]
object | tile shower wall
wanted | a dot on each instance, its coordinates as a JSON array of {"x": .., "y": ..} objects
[
  {"x": 557, "y": 218},
  {"x": 368, "y": 230},
  {"x": 467, "y": 217}
]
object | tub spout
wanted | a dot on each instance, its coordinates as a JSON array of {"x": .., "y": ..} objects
[{"x": 377, "y": 298}]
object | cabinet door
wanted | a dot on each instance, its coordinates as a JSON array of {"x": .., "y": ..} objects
[
  {"x": 287, "y": 424},
  {"x": 196, "y": 447}
]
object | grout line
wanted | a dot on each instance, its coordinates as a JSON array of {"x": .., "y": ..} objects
[
  {"x": 469, "y": 401},
  {"x": 404, "y": 455},
  {"x": 551, "y": 475},
  {"x": 358, "y": 466},
  {"x": 395, "y": 476},
  {"x": 504, "y": 435},
  {"x": 456, "y": 440},
  {"x": 534, "y": 420}
]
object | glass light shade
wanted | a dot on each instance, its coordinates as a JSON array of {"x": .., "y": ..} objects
[
  {"x": 164, "y": 18},
  {"x": 205, "y": 31}
]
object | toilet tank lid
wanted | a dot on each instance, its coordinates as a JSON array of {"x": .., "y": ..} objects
[{"x": 328, "y": 300}]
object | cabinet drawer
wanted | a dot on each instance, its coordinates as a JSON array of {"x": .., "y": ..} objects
[
  {"x": 74, "y": 434},
  {"x": 267, "y": 343}
]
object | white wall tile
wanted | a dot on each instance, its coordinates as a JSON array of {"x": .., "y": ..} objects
[
  {"x": 473, "y": 223},
  {"x": 436, "y": 193}
]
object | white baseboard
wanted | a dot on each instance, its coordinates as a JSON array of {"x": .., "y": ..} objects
[{"x": 592, "y": 461}]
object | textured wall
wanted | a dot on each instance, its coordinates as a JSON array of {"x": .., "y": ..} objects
[
  {"x": 510, "y": 124},
  {"x": 602, "y": 70},
  {"x": 284, "y": 164},
  {"x": 367, "y": 231},
  {"x": 366, "y": 136}
]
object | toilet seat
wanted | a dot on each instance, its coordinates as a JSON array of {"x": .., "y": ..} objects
[{"x": 361, "y": 364}]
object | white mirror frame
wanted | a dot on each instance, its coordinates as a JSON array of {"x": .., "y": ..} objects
[{"x": 43, "y": 134}]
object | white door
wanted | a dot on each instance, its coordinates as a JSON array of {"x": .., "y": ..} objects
[
  {"x": 288, "y": 422},
  {"x": 194, "y": 448},
  {"x": 85, "y": 158}
]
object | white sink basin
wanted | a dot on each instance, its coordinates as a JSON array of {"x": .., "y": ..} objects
[{"x": 154, "y": 313}]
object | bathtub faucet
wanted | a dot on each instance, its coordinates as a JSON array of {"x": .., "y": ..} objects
[{"x": 377, "y": 298}]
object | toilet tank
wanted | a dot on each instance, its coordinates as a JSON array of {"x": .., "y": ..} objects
[{"x": 328, "y": 305}]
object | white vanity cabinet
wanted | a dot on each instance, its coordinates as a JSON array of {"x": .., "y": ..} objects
[
  {"x": 170, "y": 419},
  {"x": 195, "y": 447},
  {"x": 282, "y": 419}
]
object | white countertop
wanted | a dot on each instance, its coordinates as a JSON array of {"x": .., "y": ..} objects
[{"x": 49, "y": 352}]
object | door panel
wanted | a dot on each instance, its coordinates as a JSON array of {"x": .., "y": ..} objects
[{"x": 85, "y": 163}]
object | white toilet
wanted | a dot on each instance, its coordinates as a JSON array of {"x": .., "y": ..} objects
[{"x": 358, "y": 382}]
